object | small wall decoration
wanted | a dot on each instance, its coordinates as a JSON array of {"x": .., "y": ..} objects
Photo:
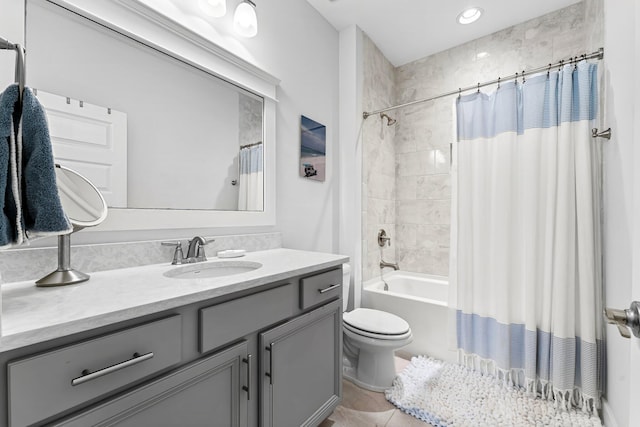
[{"x": 313, "y": 148}]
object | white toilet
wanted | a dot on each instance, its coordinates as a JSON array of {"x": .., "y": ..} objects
[{"x": 369, "y": 339}]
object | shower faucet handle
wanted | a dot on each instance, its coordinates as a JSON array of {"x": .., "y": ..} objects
[{"x": 383, "y": 239}]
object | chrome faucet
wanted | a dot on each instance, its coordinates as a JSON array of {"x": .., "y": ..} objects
[
  {"x": 384, "y": 264},
  {"x": 195, "y": 252}
]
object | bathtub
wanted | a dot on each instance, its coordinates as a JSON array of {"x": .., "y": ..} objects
[{"x": 421, "y": 300}]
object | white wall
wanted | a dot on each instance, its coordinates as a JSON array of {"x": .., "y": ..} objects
[
  {"x": 350, "y": 151},
  {"x": 634, "y": 362},
  {"x": 10, "y": 29},
  {"x": 618, "y": 192},
  {"x": 298, "y": 46}
]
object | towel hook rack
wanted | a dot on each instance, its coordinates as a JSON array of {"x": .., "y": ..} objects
[
  {"x": 604, "y": 134},
  {"x": 20, "y": 68}
]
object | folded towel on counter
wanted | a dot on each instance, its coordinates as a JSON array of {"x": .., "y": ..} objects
[
  {"x": 29, "y": 200},
  {"x": 42, "y": 212},
  {"x": 11, "y": 232}
]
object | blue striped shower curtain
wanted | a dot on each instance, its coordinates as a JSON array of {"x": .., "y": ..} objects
[{"x": 526, "y": 274}]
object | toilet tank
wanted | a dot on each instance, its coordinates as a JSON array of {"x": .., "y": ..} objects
[{"x": 346, "y": 276}]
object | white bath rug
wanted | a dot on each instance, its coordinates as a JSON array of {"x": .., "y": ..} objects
[{"x": 447, "y": 395}]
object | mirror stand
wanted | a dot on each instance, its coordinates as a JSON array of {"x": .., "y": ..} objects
[
  {"x": 85, "y": 207},
  {"x": 64, "y": 275}
]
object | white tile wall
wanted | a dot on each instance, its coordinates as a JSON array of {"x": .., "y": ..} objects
[{"x": 379, "y": 161}]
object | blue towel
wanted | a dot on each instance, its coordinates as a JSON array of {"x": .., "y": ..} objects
[
  {"x": 42, "y": 212},
  {"x": 31, "y": 205},
  {"x": 9, "y": 194}
]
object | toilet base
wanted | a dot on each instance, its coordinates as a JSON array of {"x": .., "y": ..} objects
[
  {"x": 374, "y": 371},
  {"x": 349, "y": 374}
]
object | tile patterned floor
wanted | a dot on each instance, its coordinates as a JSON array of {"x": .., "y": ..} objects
[{"x": 363, "y": 408}]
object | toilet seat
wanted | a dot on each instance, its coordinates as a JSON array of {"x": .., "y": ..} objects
[{"x": 376, "y": 324}]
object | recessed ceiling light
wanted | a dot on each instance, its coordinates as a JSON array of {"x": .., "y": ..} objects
[{"x": 469, "y": 15}]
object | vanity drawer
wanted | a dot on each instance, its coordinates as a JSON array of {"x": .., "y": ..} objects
[
  {"x": 44, "y": 385},
  {"x": 223, "y": 323},
  {"x": 321, "y": 287}
]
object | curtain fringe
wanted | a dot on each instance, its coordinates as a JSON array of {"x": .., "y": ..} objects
[{"x": 535, "y": 387}]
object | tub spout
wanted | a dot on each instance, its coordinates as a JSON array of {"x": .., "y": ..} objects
[{"x": 384, "y": 264}]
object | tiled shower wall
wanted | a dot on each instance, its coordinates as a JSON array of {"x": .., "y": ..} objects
[
  {"x": 422, "y": 135},
  {"x": 379, "y": 161}
]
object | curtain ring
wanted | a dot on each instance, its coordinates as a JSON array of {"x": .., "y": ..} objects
[
  {"x": 561, "y": 63},
  {"x": 548, "y": 70},
  {"x": 516, "y": 79},
  {"x": 478, "y": 87},
  {"x": 523, "y": 80},
  {"x": 498, "y": 82},
  {"x": 459, "y": 92}
]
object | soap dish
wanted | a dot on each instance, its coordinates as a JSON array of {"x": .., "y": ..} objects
[{"x": 231, "y": 253}]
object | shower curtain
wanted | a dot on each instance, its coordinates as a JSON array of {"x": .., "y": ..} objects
[
  {"x": 251, "y": 181},
  {"x": 526, "y": 279}
]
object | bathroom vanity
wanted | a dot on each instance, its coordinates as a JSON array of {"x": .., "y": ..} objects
[{"x": 144, "y": 347}]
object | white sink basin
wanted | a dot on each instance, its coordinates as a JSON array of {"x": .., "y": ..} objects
[{"x": 212, "y": 269}]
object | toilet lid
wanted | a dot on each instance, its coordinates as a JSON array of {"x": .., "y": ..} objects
[{"x": 376, "y": 321}]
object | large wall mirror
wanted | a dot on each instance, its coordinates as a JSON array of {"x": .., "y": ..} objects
[{"x": 167, "y": 140}]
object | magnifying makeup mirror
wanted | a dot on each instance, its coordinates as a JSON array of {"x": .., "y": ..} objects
[{"x": 84, "y": 205}]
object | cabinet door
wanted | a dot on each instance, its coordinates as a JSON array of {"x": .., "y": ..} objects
[
  {"x": 301, "y": 367},
  {"x": 208, "y": 392}
]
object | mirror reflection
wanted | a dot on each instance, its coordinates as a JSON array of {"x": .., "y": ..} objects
[
  {"x": 153, "y": 132},
  {"x": 81, "y": 200}
]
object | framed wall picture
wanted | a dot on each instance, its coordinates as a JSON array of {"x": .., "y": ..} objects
[{"x": 313, "y": 149}]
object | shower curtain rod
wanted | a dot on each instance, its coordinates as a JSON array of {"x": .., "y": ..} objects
[
  {"x": 599, "y": 54},
  {"x": 250, "y": 145}
]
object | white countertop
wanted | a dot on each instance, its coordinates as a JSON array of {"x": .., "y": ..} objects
[{"x": 31, "y": 314}]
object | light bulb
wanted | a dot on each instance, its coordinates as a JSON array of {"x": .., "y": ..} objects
[
  {"x": 214, "y": 8},
  {"x": 245, "y": 21}
]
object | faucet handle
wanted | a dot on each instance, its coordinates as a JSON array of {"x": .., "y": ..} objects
[
  {"x": 200, "y": 255},
  {"x": 383, "y": 239},
  {"x": 178, "y": 256}
]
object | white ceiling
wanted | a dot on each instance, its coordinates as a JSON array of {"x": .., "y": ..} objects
[{"x": 406, "y": 30}]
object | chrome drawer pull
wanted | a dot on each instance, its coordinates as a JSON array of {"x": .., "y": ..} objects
[
  {"x": 270, "y": 373},
  {"x": 330, "y": 288},
  {"x": 88, "y": 376},
  {"x": 247, "y": 387}
]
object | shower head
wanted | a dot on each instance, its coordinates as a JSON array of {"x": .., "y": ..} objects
[{"x": 390, "y": 121}]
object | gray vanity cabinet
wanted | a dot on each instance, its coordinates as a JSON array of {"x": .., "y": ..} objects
[
  {"x": 300, "y": 368},
  {"x": 270, "y": 356},
  {"x": 209, "y": 392}
]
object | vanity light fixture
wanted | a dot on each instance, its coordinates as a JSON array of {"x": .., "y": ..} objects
[
  {"x": 470, "y": 15},
  {"x": 214, "y": 8},
  {"x": 245, "y": 21}
]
